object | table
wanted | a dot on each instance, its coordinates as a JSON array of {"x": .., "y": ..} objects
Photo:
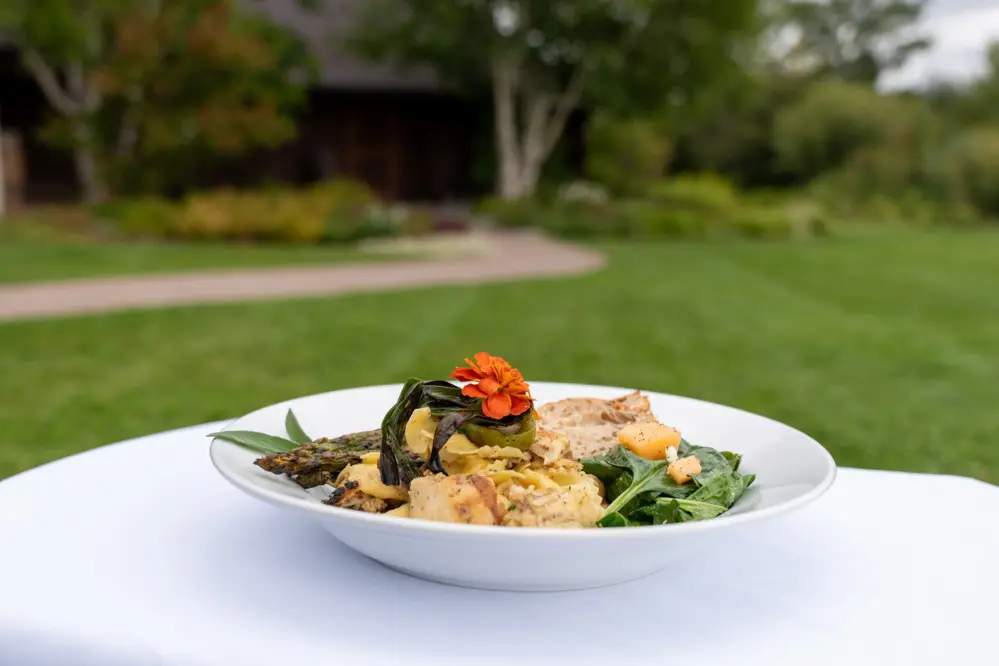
[{"x": 139, "y": 554}]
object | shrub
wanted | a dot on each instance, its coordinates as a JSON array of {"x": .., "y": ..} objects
[
  {"x": 510, "y": 214},
  {"x": 583, "y": 192},
  {"x": 699, "y": 206},
  {"x": 335, "y": 211},
  {"x": 211, "y": 216},
  {"x": 576, "y": 219},
  {"x": 625, "y": 155},
  {"x": 654, "y": 220},
  {"x": 146, "y": 217},
  {"x": 346, "y": 204},
  {"x": 419, "y": 222},
  {"x": 968, "y": 169},
  {"x": 832, "y": 121},
  {"x": 380, "y": 221},
  {"x": 762, "y": 223},
  {"x": 703, "y": 192}
]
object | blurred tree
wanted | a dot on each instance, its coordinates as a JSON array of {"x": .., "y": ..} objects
[
  {"x": 543, "y": 59},
  {"x": 973, "y": 103},
  {"x": 736, "y": 137},
  {"x": 856, "y": 40},
  {"x": 144, "y": 78},
  {"x": 626, "y": 156},
  {"x": 835, "y": 121}
]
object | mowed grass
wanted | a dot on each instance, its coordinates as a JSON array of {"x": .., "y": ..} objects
[
  {"x": 37, "y": 255},
  {"x": 885, "y": 349}
]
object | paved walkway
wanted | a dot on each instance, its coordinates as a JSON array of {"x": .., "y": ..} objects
[{"x": 512, "y": 256}]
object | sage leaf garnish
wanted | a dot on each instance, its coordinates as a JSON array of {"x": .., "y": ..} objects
[
  {"x": 257, "y": 441},
  {"x": 294, "y": 429}
]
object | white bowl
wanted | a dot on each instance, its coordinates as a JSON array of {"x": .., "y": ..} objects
[{"x": 791, "y": 468}]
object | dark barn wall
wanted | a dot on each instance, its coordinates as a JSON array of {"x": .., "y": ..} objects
[
  {"x": 49, "y": 175},
  {"x": 408, "y": 146}
]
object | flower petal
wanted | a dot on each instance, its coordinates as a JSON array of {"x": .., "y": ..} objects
[
  {"x": 497, "y": 406},
  {"x": 519, "y": 406},
  {"x": 483, "y": 359},
  {"x": 466, "y": 374},
  {"x": 488, "y": 385},
  {"x": 473, "y": 391}
]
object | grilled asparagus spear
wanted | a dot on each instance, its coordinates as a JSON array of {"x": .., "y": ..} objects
[{"x": 321, "y": 461}]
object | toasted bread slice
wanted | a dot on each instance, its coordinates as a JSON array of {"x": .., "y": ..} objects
[{"x": 592, "y": 424}]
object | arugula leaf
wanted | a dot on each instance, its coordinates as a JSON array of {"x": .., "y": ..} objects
[
  {"x": 257, "y": 441},
  {"x": 734, "y": 459},
  {"x": 617, "y": 520},
  {"x": 641, "y": 493},
  {"x": 682, "y": 511},
  {"x": 646, "y": 476},
  {"x": 711, "y": 500},
  {"x": 724, "y": 488},
  {"x": 294, "y": 429},
  {"x": 608, "y": 473},
  {"x": 712, "y": 462}
]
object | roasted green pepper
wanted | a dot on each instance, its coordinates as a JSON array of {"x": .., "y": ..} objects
[{"x": 487, "y": 435}]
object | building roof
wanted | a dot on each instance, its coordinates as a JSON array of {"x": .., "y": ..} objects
[{"x": 323, "y": 27}]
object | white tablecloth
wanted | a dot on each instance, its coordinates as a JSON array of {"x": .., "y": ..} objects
[{"x": 139, "y": 554}]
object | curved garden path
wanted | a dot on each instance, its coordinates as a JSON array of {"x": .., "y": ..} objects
[{"x": 509, "y": 256}]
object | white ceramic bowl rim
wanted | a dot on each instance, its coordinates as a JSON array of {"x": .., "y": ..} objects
[{"x": 395, "y": 523}]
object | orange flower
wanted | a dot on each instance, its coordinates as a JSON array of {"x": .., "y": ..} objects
[{"x": 502, "y": 388}]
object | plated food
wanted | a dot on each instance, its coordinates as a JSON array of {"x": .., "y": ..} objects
[{"x": 482, "y": 452}]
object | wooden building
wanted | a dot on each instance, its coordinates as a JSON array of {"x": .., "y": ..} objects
[{"x": 399, "y": 131}]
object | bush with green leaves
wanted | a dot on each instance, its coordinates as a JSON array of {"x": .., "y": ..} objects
[
  {"x": 626, "y": 155},
  {"x": 703, "y": 192},
  {"x": 831, "y": 122},
  {"x": 144, "y": 217},
  {"x": 510, "y": 213},
  {"x": 968, "y": 169},
  {"x": 700, "y": 206},
  {"x": 339, "y": 211}
]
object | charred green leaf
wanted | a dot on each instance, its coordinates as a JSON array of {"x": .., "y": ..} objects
[
  {"x": 394, "y": 465},
  {"x": 448, "y": 426}
]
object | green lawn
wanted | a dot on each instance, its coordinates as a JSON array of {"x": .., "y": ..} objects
[
  {"x": 39, "y": 256},
  {"x": 885, "y": 349}
]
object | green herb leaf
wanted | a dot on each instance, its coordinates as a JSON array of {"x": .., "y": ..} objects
[
  {"x": 258, "y": 441},
  {"x": 617, "y": 520},
  {"x": 712, "y": 461},
  {"x": 723, "y": 489},
  {"x": 641, "y": 493},
  {"x": 734, "y": 459},
  {"x": 685, "y": 510},
  {"x": 646, "y": 477},
  {"x": 711, "y": 500},
  {"x": 294, "y": 429}
]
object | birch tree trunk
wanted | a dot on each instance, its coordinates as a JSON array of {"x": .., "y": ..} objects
[
  {"x": 504, "y": 105},
  {"x": 523, "y": 147},
  {"x": 3, "y": 177},
  {"x": 75, "y": 97},
  {"x": 93, "y": 188}
]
